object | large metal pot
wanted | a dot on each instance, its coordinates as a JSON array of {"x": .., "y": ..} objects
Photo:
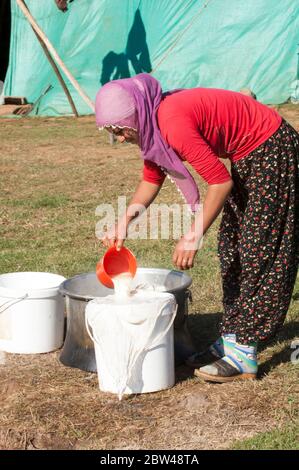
[{"x": 78, "y": 349}]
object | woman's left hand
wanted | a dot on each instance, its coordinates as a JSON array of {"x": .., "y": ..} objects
[{"x": 183, "y": 257}]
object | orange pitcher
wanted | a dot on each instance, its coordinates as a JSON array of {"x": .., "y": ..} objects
[{"x": 115, "y": 262}]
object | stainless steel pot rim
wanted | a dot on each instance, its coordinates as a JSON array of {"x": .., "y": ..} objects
[{"x": 185, "y": 285}]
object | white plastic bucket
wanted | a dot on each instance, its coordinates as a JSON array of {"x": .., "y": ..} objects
[
  {"x": 31, "y": 312},
  {"x": 154, "y": 369}
]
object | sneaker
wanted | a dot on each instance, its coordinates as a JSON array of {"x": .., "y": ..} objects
[
  {"x": 221, "y": 371},
  {"x": 203, "y": 358}
]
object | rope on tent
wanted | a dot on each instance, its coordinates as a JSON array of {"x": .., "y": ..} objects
[{"x": 180, "y": 35}]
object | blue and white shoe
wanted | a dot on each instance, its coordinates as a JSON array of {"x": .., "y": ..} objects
[
  {"x": 216, "y": 351},
  {"x": 238, "y": 364}
]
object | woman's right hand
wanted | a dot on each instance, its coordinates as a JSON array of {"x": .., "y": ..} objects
[
  {"x": 143, "y": 197},
  {"x": 116, "y": 235}
]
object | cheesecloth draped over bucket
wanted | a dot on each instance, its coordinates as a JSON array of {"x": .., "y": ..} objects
[{"x": 124, "y": 329}]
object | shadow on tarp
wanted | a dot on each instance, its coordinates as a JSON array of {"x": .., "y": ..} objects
[{"x": 116, "y": 66}]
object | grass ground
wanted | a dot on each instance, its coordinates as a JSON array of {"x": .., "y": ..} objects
[{"x": 54, "y": 174}]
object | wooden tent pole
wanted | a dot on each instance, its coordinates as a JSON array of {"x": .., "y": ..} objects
[
  {"x": 51, "y": 50},
  {"x": 58, "y": 74}
]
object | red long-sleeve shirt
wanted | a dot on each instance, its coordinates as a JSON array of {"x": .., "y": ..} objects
[{"x": 205, "y": 124}]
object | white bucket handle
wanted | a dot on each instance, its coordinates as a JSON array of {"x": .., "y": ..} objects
[
  {"x": 88, "y": 329},
  {"x": 163, "y": 333},
  {"x": 9, "y": 303},
  {"x": 160, "y": 336}
]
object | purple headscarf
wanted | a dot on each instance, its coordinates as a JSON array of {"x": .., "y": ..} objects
[{"x": 134, "y": 102}]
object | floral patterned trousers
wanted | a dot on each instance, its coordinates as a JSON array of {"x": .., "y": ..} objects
[{"x": 258, "y": 242}]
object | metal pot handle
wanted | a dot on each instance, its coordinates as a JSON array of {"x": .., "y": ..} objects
[{"x": 189, "y": 295}]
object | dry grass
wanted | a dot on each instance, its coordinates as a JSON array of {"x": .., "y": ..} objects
[
  {"x": 46, "y": 406},
  {"x": 56, "y": 171}
]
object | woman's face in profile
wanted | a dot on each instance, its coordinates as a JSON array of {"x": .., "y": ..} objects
[{"x": 124, "y": 134}]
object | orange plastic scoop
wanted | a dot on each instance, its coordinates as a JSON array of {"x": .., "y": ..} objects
[{"x": 114, "y": 263}]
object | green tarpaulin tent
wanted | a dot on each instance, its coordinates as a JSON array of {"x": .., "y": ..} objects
[{"x": 185, "y": 43}]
